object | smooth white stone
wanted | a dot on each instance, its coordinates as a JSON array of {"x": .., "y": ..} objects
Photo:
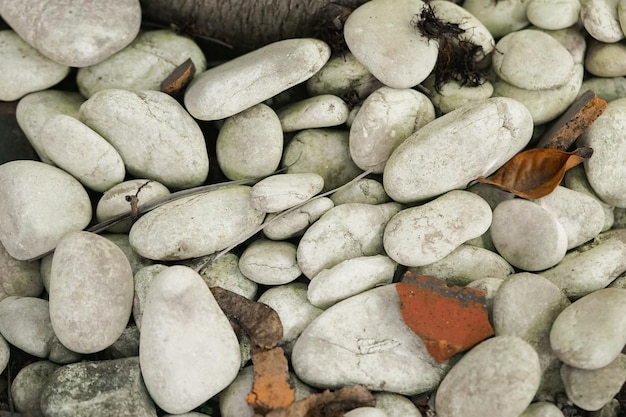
[
  {"x": 451, "y": 94},
  {"x": 605, "y": 169},
  {"x": 457, "y": 148},
  {"x": 196, "y": 225},
  {"x": 283, "y": 191},
  {"x": 224, "y": 272},
  {"x": 325, "y": 152},
  {"x": 39, "y": 204},
  {"x": 348, "y": 278},
  {"x": 143, "y": 64},
  {"x": 606, "y": 59},
  {"x": 34, "y": 109},
  {"x": 425, "y": 234},
  {"x": 395, "y": 405},
  {"x": 380, "y": 35},
  {"x": 499, "y": 18},
  {"x": 91, "y": 292},
  {"x": 466, "y": 264},
  {"x": 365, "y": 190},
  {"x": 475, "y": 388},
  {"x": 23, "y": 69},
  {"x": 293, "y": 308},
  {"x": 344, "y": 232},
  {"x": 27, "y": 386},
  {"x": 553, "y": 14},
  {"x": 81, "y": 152},
  {"x": 155, "y": 136},
  {"x": 254, "y": 77},
  {"x": 250, "y": 144},
  {"x": 75, "y": 33},
  {"x": 19, "y": 278},
  {"x": 386, "y": 118},
  {"x": 528, "y": 236},
  {"x": 599, "y": 317},
  {"x": 188, "y": 351},
  {"x": 283, "y": 226},
  {"x": 347, "y": 345},
  {"x": 319, "y": 111},
  {"x": 269, "y": 262},
  {"x": 601, "y": 21}
]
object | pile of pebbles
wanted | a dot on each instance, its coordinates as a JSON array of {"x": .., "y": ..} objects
[{"x": 403, "y": 158}]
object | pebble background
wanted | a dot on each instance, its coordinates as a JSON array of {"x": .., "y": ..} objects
[{"x": 124, "y": 323}]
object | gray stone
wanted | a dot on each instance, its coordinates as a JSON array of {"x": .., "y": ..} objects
[
  {"x": 601, "y": 21},
  {"x": 325, "y": 110},
  {"x": 250, "y": 144},
  {"x": 20, "y": 278},
  {"x": 344, "y": 232},
  {"x": 147, "y": 129},
  {"x": 126, "y": 346},
  {"x": 142, "y": 279},
  {"x": 250, "y": 79},
  {"x": 28, "y": 384},
  {"x": 88, "y": 388},
  {"x": 395, "y": 405},
  {"x": 348, "y": 278},
  {"x": 553, "y": 15},
  {"x": 143, "y": 64},
  {"x": 590, "y": 333},
  {"x": 347, "y": 345},
  {"x": 281, "y": 226},
  {"x": 196, "y": 225},
  {"x": 91, "y": 292},
  {"x": 380, "y": 35},
  {"x": 39, "y": 204},
  {"x": 5, "y": 353},
  {"x": 593, "y": 389},
  {"x": 386, "y": 118},
  {"x": 224, "y": 272},
  {"x": 75, "y": 33},
  {"x": 283, "y": 191},
  {"x": 456, "y": 148},
  {"x": 365, "y": 190},
  {"x": 475, "y": 388},
  {"x": 270, "y": 262},
  {"x": 81, "y": 152},
  {"x": 490, "y": 287},
  {"x": 188, "y": 351},
  {"x": 24, "y": 69},
  {"x": 425, "y": 234}
]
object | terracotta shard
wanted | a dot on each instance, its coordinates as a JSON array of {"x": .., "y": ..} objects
[
  {"x": 179, "y": 78},
  {"x": 447, "y": 319},
  {"x": 271, "y": 388}
]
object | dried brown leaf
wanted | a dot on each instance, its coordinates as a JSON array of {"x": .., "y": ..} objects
[
  {"x": 537, "y": 172},
  {"x": 328, "y": 404},
  {"x": 259, "y": 321},
  {"x": 179, "y": 78},
  {"x": 271, "y": 388}
]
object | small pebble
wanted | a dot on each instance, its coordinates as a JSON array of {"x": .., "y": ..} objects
[
  {"x": 269, "y": 262},
  {"x": 606, "y": 59},
  {"x": 283, "y": 191},
  {"x": 542, "y": 409},
  {"x": 553, "y": 14},
  {"x": 601, "y": 21},
  {"x": 609, "y": 89},
  {"x": 395, "y": 405},
  {"x": 325, "y": 110},
  {"x": 283, "y": 226},
  {"x": 224, "y": 272}
]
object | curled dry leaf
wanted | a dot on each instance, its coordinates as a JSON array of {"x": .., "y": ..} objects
[
  {"x": 447, "y": 319},
  {"x": 259, "y": 321},
  {"x": 271, "y": 388},
  {"x": 179, "y": 78},
  {"x": 537, "y": 172},
  {"x": 328, "y": 404}
]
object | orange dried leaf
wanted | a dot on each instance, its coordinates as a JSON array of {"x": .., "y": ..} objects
[
  {"x": 328, "y": 404},
  {"x": 537, "y": 172},
  {"x": 258, "y": 321},
  {"x": 447, "y": 319},
  {"x": 179, "y": 78},
  {"x": 271, "y": 388}
]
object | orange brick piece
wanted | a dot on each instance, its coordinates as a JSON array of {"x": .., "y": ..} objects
[{"x": 447, "y": 319}]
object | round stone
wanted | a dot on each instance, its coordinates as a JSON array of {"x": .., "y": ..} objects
[
  {"x": 395, "y": 405},
  {"x": 528, "y": 236},
  {"x": 606, "y": 59},
  {"x": 281, "y": 226},
  {"x": 270, "y": 262},
  {"x": 325, "y": 110},
  {"x": 553, "y": 14},
  {"x": 475, "y": 388},
  {"x": 283, "y": 191},
  {"x": 91, "y": 292}
]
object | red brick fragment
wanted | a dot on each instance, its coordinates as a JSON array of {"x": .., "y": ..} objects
[{"x": 447, "y": 319}]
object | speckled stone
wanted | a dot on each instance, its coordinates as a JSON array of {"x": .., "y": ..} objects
[{"x": 28, "y": 384}]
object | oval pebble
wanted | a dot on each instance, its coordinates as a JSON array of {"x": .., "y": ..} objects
[
  {"x": 24, "y": 69},
  {"x": 293, "y": 308},
  {"x": 348, "y": 278},
  {"x": 542, "y": 409},
  {"x": 196, "y": 225},
  {"x": 479, "y": 138},
  {"x": 589, "y": 334},
  {"x": 270, "y": 262},
  {"x": 346, "y": 345},
  {"x": 499, "y": 18},
  {"x": 19, "y": 278},
  {"x": 386, "y": 118},
  {"x": 606, "y": 59},
  {"x": 283, "y": 191},
  {"x": 325, "y": 110},
  {"x": 250, "y": 144},
  {"x": 81, "y": 152},
  {"x": 143, "y": 64},
  {"x": 344, "y": 232},
  {"x": 283, "y": 226},
  {"x": 90, "y": 265},
  {"x": 147, "y": 128},
  {"x": 365, "y": 190},
  {"x": 428, "y": 233},
  {"x": 553, "y": 14},
  {"x": 28, "y": 384},
  {"x": 528, "y": 236},
  {"x": 475, "y": 388},
  {"x": 605, "y": 171},
  {"x": 395, "y": 405},
  {"x": 188, "y": 351},
  {"x": 248, "y": 80},
  {"x": 39, "y": 205},
  {"x": 601, "y": 21},
  {"x": 380, "y": 35}
]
